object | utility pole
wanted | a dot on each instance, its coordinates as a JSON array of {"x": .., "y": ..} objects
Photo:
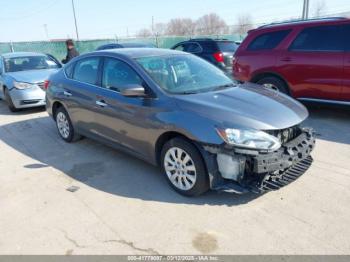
[
  {"x": 305, "y": 14},
  {"x": 152, "y": 25},
  {"x": 75, "y": 21},
  {"x": 46, "y": 31}
]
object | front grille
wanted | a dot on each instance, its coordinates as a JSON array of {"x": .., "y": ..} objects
[
  {"x": 275, "y": 182},
  {"x": 285, "y": 135}
]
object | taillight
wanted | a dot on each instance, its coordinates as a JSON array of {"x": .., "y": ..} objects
[
  {"x": 219, "y": 57},
  {"x": 46, "y": 84}
]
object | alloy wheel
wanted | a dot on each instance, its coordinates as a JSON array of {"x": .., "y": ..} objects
[
  {"x": 63, "y": 125},
  {"x": 180, "y": 168}
]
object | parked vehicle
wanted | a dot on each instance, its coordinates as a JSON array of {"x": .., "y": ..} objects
[
  {"x": 180, "y": 112},
  {"x": 125, "y": 45},
  {"x": 308, "y": 60},
  {"x": 219, "y": 52},
  {"x": 22, "y": 77}
]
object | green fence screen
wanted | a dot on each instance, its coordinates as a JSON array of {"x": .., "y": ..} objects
[{"x": 58, "y": 49}]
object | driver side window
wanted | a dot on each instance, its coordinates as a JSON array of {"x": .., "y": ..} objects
[{"x": 117, "y": 74}]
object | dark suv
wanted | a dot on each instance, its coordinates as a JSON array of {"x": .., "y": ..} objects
[
  {"x": 216, "y": 51},
  {"x": 309, "y": 60}
]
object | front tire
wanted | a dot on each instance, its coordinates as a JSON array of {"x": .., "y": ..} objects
[
  {"x": 274, "y": 83},
  {"x": 184, "y": 167},
  {"x": 65, "y": 127},
  {"x": 9, "y": 101}
]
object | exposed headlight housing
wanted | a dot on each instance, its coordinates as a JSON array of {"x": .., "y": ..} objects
[
  {"x": 251, "y": 139},
  {"x": 22, "y": 85}
]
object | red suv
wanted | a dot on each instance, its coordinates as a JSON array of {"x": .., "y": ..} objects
[{"x": 309, "y": 60}]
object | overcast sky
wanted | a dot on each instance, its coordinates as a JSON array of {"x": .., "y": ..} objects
[{"x": 23, "y": 20}]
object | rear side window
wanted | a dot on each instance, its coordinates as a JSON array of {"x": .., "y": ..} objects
[
  {"x": 321, "y": 38},
  {"x": 68, "y": 69},
  {"x": 227, "y": 46},
  {"x": 268, "y": 41},
  {"x": 209, "y": 46},
  {"x": 180, "y": 47},
  {"x": 86, "y": 70},
  {"x": 192, "y": 48}
]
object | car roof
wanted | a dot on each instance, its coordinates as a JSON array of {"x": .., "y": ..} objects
[
  {"x": 318, "y": 21},
  {"x": 136, "y": 44},
  {"x": 21, "y": 54},
  {"x": 139, "y": 52}
]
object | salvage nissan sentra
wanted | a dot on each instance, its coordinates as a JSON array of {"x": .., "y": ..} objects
[{"x": 180, "y": 112}]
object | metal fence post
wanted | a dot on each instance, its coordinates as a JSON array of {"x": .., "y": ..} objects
[{"x": 11, "y": 47}]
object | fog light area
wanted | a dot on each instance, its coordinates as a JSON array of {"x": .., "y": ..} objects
[{"x": 231, "y": 167}]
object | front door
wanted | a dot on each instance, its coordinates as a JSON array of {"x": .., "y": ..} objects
[{"x": 125, "y": 120}]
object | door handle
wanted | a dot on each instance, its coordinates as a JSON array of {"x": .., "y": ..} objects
[
  {"x": 67, "y": 93},
  {"x": 286, "y": 59},
  {"x": 101, "y": 103}
]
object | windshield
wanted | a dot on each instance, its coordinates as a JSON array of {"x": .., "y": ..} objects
[
  {"x": 25, "y": 63},
  {"x": 184, "y": 74},
  {"x": 227, "y": 46}
]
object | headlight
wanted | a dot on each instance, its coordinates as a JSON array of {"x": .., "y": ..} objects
[
  {"x": 253, "y": 139},
  {"x": 22, "y": 85}
]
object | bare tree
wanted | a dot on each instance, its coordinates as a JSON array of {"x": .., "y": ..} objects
[
  {"x": 160, "y": 28},
  {"x": 144, "y": 33},
  {"x": 319, "y": 8},
  {"x": 244, "y": 24},
  {"x": 180, "y": 26},
  {"x": 211, "y": 24}
]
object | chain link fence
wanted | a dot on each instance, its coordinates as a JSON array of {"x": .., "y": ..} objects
[{"x": 58, "y": 48}]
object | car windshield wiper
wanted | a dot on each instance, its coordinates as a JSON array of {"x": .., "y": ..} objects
[
  {"x": 188, "y": 93},
  {"x": 221, "y": 87}
]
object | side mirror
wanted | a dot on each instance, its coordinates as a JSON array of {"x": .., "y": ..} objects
[{"x": 133, "y": 91}]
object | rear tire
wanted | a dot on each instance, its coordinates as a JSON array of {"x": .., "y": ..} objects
[
  {"x": 65, "y": 127},
  {"x": 184, "y": 167},
  {"x": 275, "y": 84},
  {"x": 9, "y": 102}
]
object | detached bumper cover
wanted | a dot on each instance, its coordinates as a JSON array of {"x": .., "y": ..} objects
[{"x": 264, "y": 171}]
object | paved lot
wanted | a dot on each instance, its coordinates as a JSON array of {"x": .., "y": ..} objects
[{"x": 124, "y": 206}]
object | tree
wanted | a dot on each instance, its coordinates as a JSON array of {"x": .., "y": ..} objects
[
  {"x": 211, "y": 24},
  {"x": 319, "y": 8},
  {"x": 180, "y": 26},
  {"x": 144, "y": 33},
  {"x": 160, "y": 28},
  {"x": 244, "y": 24}
]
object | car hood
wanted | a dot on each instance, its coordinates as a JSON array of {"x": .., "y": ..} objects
[
  {"x": 32, "y": 76},
  {"x": 246, "y": 106}
]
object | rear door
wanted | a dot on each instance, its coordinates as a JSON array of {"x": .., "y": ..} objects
[
  {"x": 313, "y": 63},
  {"x": 345, "y": 95},
  {"x": 80, "y": 91}
]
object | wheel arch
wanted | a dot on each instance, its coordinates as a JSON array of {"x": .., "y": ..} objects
[
  {"x": 55, "y": 106},
  {"x": 165, "y": 137},
  {"x": 257, "y": 77}
]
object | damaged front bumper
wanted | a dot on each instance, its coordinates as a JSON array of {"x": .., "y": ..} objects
[{"x": 240, "y": 171}]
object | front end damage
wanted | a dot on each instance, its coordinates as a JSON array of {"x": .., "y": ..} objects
[{"x": 240, "y": 171}]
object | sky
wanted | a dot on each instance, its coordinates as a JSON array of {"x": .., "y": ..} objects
[{"x": 25, "y": 20}]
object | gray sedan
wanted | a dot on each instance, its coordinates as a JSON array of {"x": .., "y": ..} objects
[
  {"x": 23, "y": 76},
  {"x": 180, "y": 112}
]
